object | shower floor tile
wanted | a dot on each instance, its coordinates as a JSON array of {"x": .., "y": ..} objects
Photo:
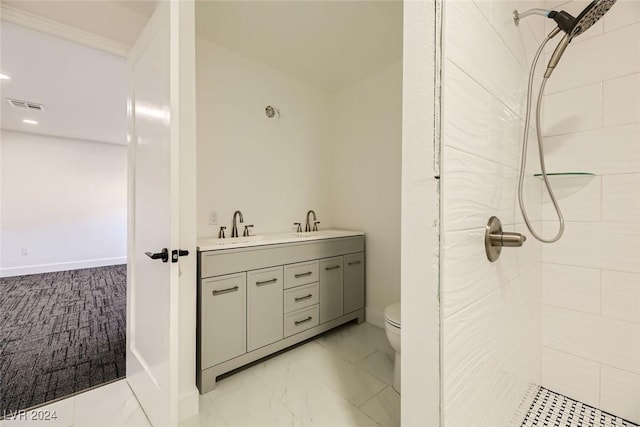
[{"x": 553, "y": 409}]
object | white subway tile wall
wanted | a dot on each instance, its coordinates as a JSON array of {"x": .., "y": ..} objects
[
  {"x": 491, "y": 311},
  {"x": 591, "y": 278}
]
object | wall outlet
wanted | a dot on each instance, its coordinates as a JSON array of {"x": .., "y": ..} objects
[
  {"x": 25, "y": 251},
  {"x": 213, "y": 218}
]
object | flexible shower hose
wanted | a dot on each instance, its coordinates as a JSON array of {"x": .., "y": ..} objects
[{"x": 525, "y": 138}]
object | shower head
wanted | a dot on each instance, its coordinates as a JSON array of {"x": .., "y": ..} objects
[
  {"x": 589, "y": 16},
  {"x": 575, "y": 26}
]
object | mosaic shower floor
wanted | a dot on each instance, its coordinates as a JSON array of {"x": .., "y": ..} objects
[{"x": 553, "y": 409}]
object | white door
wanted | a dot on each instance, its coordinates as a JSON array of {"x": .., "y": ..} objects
[{"x": 154, "y": 206}]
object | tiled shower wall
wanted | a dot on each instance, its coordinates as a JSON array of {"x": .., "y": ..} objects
[
  {"x": 491, "y": 311},
  {"x": 591, "y": 277}
]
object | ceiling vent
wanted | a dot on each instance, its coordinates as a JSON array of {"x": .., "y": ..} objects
[{"x": 31, "y": 106}]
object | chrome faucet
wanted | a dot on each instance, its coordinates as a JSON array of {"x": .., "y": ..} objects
[
  {"x": 234, "y": 229},
  {"x": 307, "y": 227}
]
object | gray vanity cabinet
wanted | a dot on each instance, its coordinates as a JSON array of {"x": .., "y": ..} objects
[
  {"x": 223, "y": 323},
  {"x": 353, "y": 293},
  {"x": 330, "y": 288},
  {"x": 255, "y": 301},
  {"x": 264, "y": 307}
]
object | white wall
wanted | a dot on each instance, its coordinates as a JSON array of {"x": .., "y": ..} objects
[
  {"x": 273, "y": 170},
  {"x": 63, "y": 200},
  {"x": 365, "y": 168},
  {"x": 337, "y": 152},
  {"x": 490, "y": 311},
  {"x": 420, "y": 224},
  {"x": 591, "y": 280}
]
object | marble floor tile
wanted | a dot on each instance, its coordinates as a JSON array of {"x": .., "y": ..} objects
[
  {"x": 252, "y": 405},
  {"x": 320, "y": 383},
  {"x": 355, "y": 342},
  {"x": 285, "y": 376},
  {"x": 321, "y": 407},
  {"x": 345, "y": 378},
  {"x": 107, "y": 406},
  {"x": 384, "y": 408},
  {"x": 379, "y": 364}
]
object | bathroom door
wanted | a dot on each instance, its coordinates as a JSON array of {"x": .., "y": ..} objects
[{"x": 157, "y": 143}]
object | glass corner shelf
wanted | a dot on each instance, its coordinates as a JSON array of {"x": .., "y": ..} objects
[{"x": 566, "y": 174}]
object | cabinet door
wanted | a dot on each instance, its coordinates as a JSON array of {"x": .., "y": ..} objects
[
  {"x": 353, "y": 282},
  {"x": 330, "y": 289},
  {"x": 223, "y": 311},
  {"x": 264, "y": 307}
]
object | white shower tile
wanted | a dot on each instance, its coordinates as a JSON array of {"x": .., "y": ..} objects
[
  {"x": 619, "y": 345},
  {"x": 474, "y": 45},
  {"x": 502, "y": 21},
  {"x": 620, "y": 393},
  {"x": 621, "y": 295},
  {"x": 572, "y": 332},
  {"x": 622, "y": 100},
  {"x": 574, "y": 288},
  {"x": 488, "y": 353},
  {"x": 572, "y": 376},
  {"x": 474, "y": 189},
  {"x": 579, "y": 198},
  {"x": 467, "y": 272},
  {"x": 609, "y": 246},
  {"x": 621, "y": 198},
  {"x": 477, "y": 122},
  {"x": 573, "y": 110},
  {"x": 618, "y": 54},
  {"x": 625, "y": 12},
  {"x": 600, "y": 151}
]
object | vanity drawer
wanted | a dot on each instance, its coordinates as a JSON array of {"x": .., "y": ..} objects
[
  {"x": 301, "y": 274},
  {"x": 301, "y": 320},
  {"x": 301, "y": 297}
]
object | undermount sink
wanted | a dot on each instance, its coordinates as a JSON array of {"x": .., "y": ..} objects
[
  {"x": 213, "y": 244},
  {"x": 232, "y": 240}
]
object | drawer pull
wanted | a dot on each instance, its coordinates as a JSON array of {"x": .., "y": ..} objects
[
  {"x": 303, "y": 298},
  {"x": 225, "y": 291},
  {"x": 266, "y": 282},
  {"x": 298, "y": 322},
  {"x": 332, "y": 268},
  {"x": 308, "y": 273},
  {"x": 355, "y": 262}
]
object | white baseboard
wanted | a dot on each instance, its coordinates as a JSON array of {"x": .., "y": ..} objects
[
  {"x": 375, "y": 317},
  {"x": 62, "y": 266},
  {"x": 189, "y": 404}
]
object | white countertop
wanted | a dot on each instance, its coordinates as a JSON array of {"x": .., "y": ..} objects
[{"x": 215, "y": 244}]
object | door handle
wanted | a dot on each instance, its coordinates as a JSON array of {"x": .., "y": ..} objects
[
  {"x": 164, "y": 255},
  {"x": 176, "y": 253}
]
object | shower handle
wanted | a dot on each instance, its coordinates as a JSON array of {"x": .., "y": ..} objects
[
  {"x": 508, "y": 239},
  {"x": 495, "y": 239}
]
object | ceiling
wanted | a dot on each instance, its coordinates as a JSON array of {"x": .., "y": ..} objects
[
  {"x": 329, "y": 43},
  {"x": 83, "y": 90}
]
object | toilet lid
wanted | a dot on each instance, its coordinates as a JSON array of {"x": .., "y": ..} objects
[{"x": 392, "y": 314}]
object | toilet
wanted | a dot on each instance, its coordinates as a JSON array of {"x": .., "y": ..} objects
[{"x": 392, "y": 329}]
